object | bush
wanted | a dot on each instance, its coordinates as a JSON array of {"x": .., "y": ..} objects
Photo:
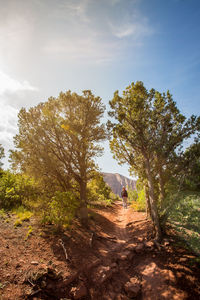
[
  {"x": 61, "y": 209},
  {"x": 140, "y": 203},
  {"x": 100, "y": 192},
  {"x": 184, "y": 216},
  {"x": 16, "y": 190}
]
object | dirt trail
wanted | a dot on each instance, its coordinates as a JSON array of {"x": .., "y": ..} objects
[{"x": 114, "y": 259}]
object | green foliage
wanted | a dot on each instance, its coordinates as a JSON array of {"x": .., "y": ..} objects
[
  {"x": 18, "y": 223},
  {"x": 190, "y": 167},
  {"x": 22, "y": 214},
  {"x": 2, "y": 213},
  {"x": 137, "y": 197},
  {"x": 30, "y": 231},
  {"x": 16, "y": 190},
  {"x": 99, "y": 191},
  {"x": 61, "y": 209},
  {"x": 185, "y": 217}
]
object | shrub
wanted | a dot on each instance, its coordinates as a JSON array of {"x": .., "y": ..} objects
[
  {"x": 61, "y": 209},
  {"x": 140, "y": 203},
  {"x": 16, "y": 190},
  {"x": 100, "y": 192},
  {"x": 184, "y": 216}
]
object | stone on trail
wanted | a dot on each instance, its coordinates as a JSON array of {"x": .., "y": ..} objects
[
  {"x": 133, "y": 287},
  {"x": 149, "y": 244},
  {"x": 35, "y": 263},
  {"x": 126, "y": 255},
  {"x": 131, "y": 246},
  {"x": 79, "y": 292},
  {"x": 102, "y": 274},
  {"x": 139, "y": 248}
]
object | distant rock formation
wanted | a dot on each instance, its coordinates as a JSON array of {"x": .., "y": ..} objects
[{"x": 117, "y": 181}]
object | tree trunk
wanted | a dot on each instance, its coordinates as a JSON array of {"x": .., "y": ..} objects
[
  {"x": 154, "y": 210},
  {"x": 148, "y": 207},
  {"x": 83, "y": 204},
  {"x": 162, "y": 190}
]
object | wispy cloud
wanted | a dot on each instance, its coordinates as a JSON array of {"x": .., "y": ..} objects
[
  {"x": 135, "y": 29},
  {"x": 11, "y": 85},
  {"x": 93, "y": 32}
]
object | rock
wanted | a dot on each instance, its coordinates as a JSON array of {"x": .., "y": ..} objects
[
  {"x": 102, "y": 274},
  {"x": 149, "y": 244},
  {"x": 139, "y": 248},
  {"x": 35, "y": 263},
  {"x": 133, "y": 287},
  {"x": 125, "y": 255},
  {"x": 166, "y": 243},
  {"x": 131, "y": 247},
  {"x": 78, "y": 292},
  {"x": 67, "y": 279}
]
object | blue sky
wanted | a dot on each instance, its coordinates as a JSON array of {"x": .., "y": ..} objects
[{"x": 47, "y": 46}]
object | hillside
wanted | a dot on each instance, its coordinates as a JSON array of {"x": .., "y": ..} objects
[{"x": 117, "y": 181}]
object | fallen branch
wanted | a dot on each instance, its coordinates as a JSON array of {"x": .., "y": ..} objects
[
  {"x": 31, "y": 282},
  {"x": 35, "y": 293},
  {"x": 64, "y": 249}
]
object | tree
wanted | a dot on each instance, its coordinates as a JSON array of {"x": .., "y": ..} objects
[
  {"x": 147, "y": 131},
  {"x": 57, "y": 141},
  {"x": 2, "y": 155}
]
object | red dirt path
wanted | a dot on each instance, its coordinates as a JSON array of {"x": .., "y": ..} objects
[{"x": 102, "y": 259}]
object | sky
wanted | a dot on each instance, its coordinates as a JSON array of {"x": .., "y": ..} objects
[{"x": 48, "y": 46}]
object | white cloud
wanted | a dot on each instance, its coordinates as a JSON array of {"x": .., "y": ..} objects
[
  {"x": 8, "y": 124},
  {"x": 11, "y": 85}
]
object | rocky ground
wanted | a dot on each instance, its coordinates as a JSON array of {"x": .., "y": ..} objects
[{"x": 115, "y": 258}]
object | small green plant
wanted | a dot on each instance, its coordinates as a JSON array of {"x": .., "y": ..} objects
[
  {"x": 23, "y": 214},
  {"x": 2, "y": 213},
  {"x": 30, "y": 230},
  {"x": 18, "y": 223},
  {"x": 1, "y": 285}
]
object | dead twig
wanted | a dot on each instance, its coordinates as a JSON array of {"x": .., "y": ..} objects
[
  {"x": 31, "y": 282},
  {"x": 64, "y": 249},
  {"x": 35, "y": 292}
]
